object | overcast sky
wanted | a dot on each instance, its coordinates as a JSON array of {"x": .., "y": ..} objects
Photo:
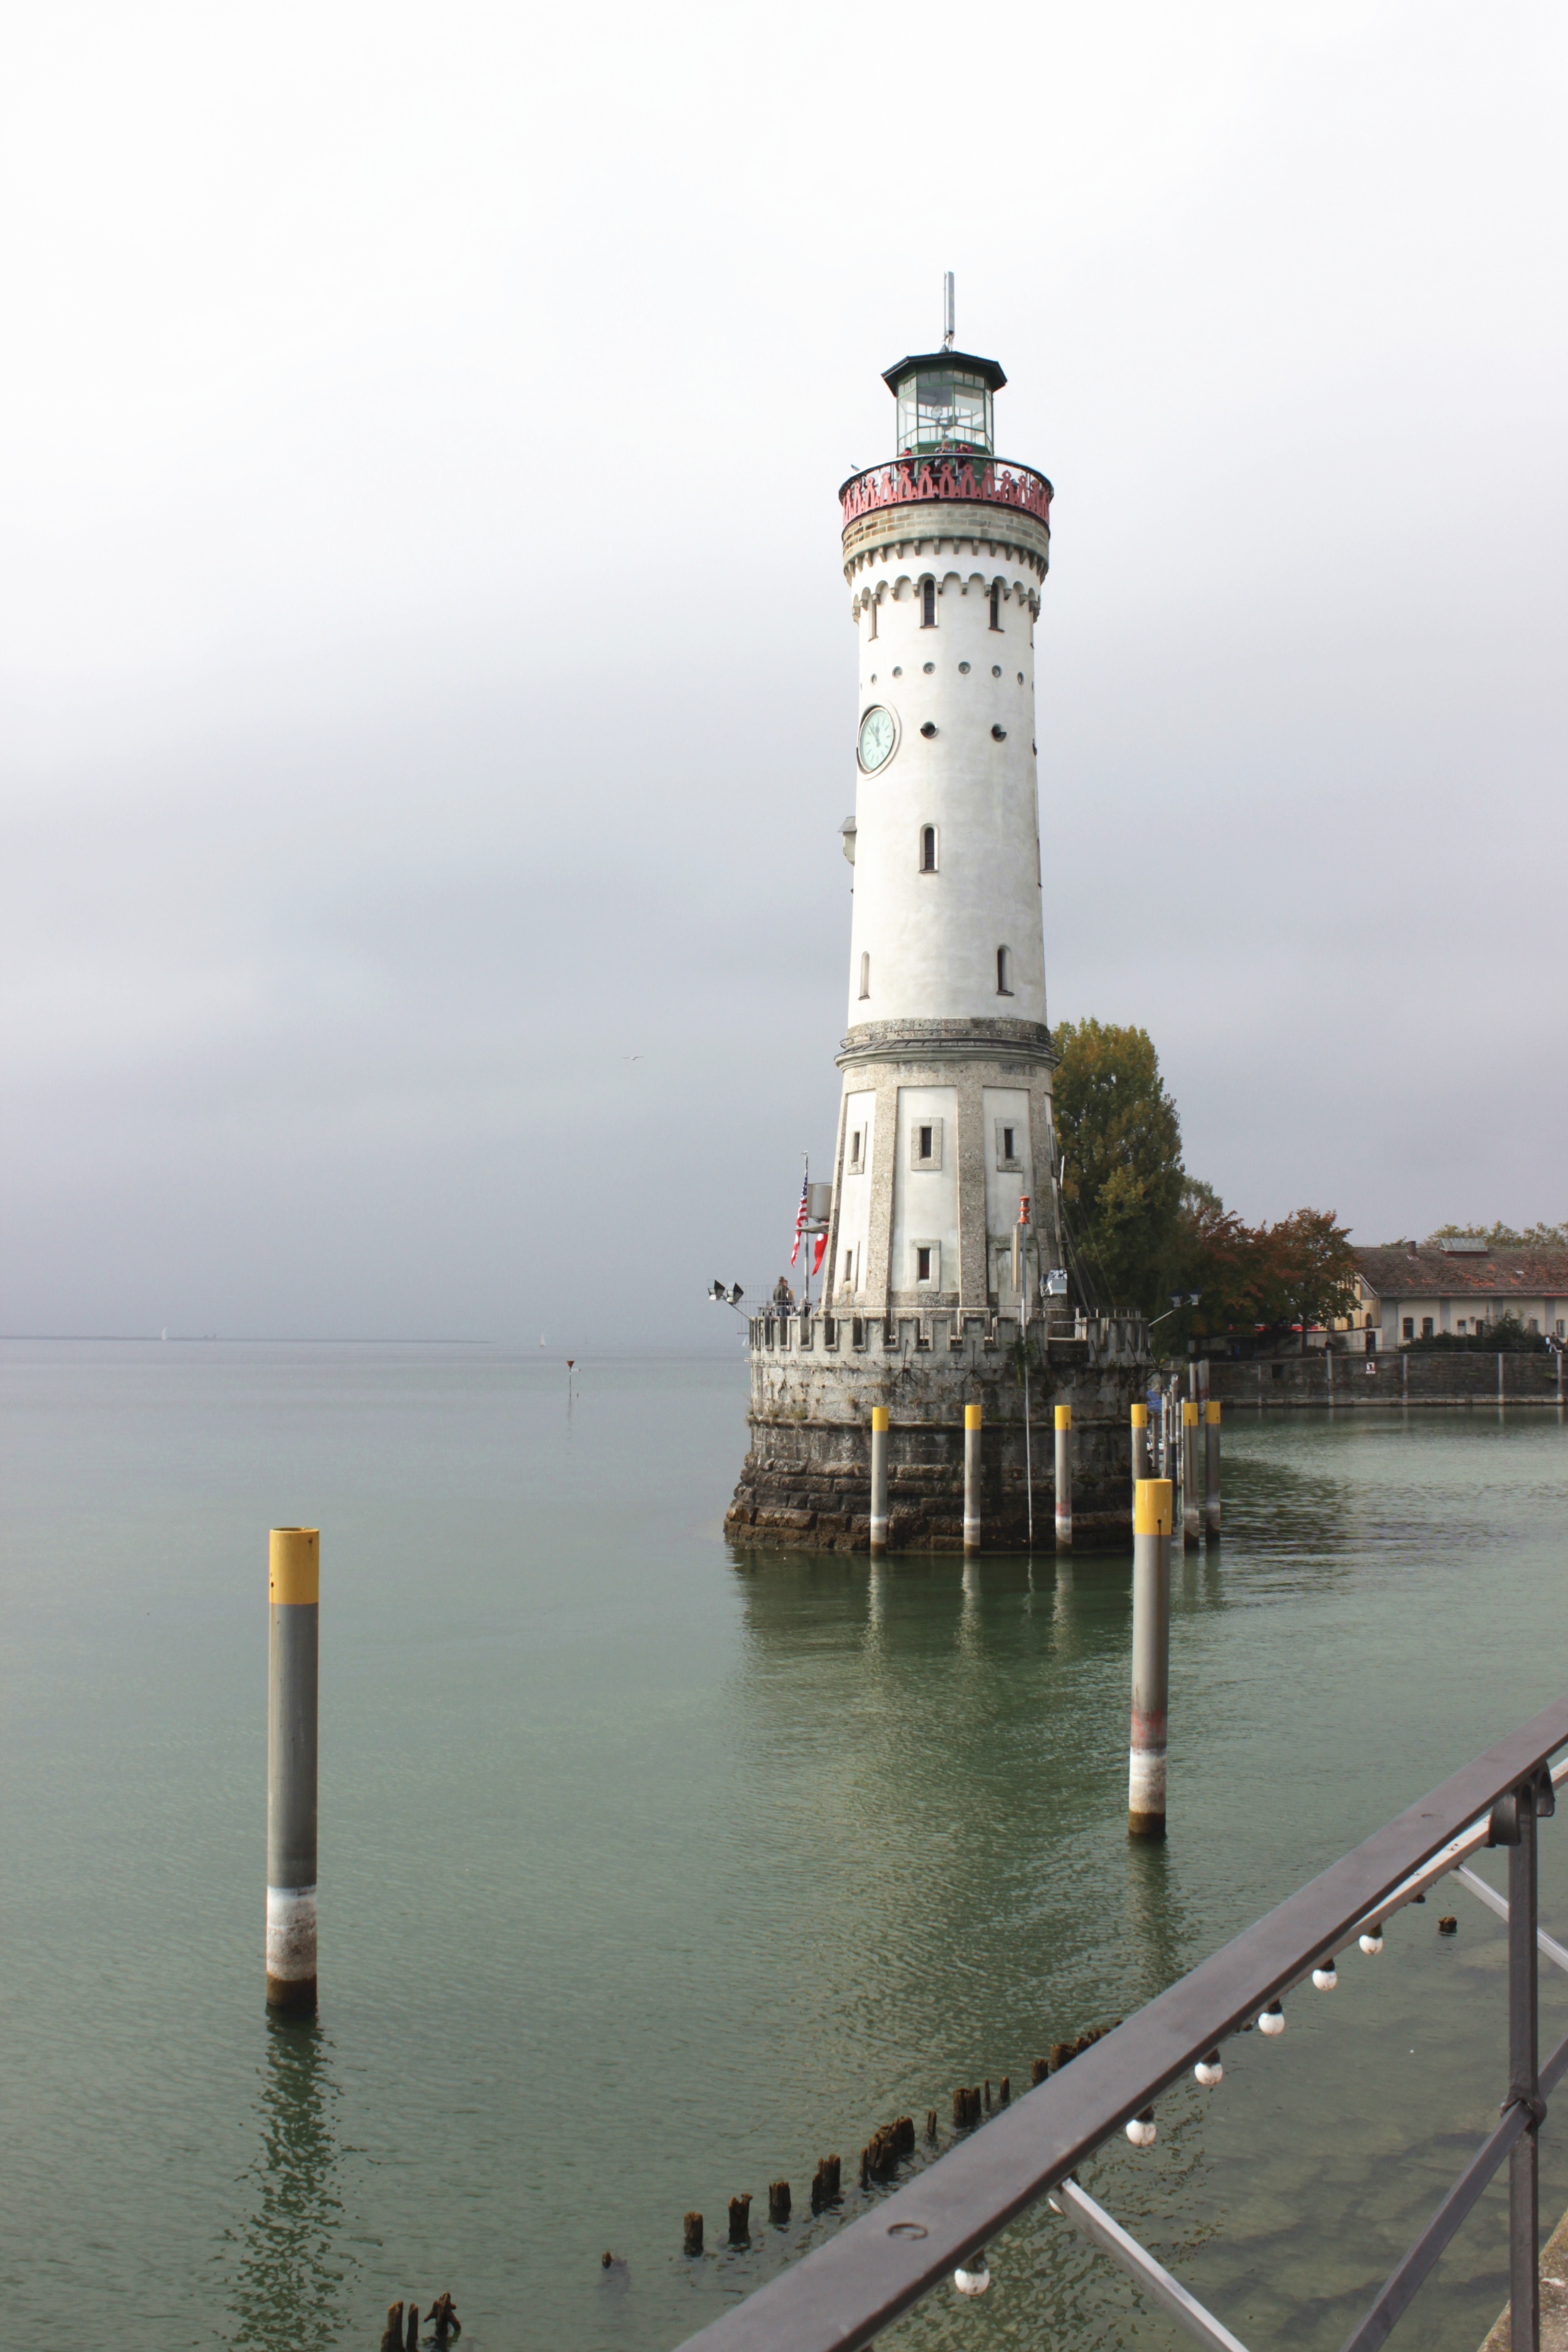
[{"x": 429, "y": 689}]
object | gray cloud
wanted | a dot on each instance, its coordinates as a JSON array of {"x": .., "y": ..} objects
[{"x": 426, "y": 672}]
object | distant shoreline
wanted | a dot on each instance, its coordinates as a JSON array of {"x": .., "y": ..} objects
[{"x": 583, "y": 1350}]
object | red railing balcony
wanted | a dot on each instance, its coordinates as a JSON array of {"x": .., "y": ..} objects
[{"x": 991, "y": 481}]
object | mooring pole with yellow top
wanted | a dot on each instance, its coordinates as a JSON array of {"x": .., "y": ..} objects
[
  {"x": 1140, "y": 1443},
  {"x": 1151, "y": 1658},
  {"x": 293, "y": 1649},
  {"x": 1191, "y": 1519},
  {"x": 971, "y": 1477},
  {"x": 879, "y": 1477},
  {"x": 1065, "y": 1477},
  {"x": 1211, "y": 1469}
]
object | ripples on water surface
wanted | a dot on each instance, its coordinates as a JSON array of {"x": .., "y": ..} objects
[{"x": 650, "y": 1873}]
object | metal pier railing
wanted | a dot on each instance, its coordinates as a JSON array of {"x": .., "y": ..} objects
[{"x": 846, "y": 2292}]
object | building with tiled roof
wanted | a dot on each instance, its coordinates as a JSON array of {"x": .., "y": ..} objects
[{"x": 1418, "y": 1292}]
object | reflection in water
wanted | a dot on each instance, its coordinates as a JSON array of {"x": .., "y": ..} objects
[
  {"x": 1156, "y": 1925},
  {"x": 968, "y": 1819},
  {"x": 291, "y": 2268},
  {"x": 969, "y": 1641},
  {"x": 876, "y": 1607},
  {"x": 1061, "y": 1607}
]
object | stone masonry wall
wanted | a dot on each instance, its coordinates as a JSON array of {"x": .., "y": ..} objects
[{"x": 805, "y": 1484}]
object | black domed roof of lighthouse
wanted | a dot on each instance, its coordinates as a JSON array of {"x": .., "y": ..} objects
[{"x": 990, "y": 370}]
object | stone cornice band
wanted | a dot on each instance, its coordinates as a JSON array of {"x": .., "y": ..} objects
[{"x": 948, "y": 1040}]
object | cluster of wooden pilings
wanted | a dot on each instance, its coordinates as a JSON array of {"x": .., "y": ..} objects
[
  {"x": 443, "y": 2318},
  {"x": 888, "y": 2147}
]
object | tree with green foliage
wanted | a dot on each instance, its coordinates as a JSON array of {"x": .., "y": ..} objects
[
  {"x": 1300, "y": 1271},
  {"x": 1120, "y": 1138},
  {"x": 1307, "y": 1271},
  {"x": 1215, "y": 1259},
  {"x": 1140, "y": 1229}
]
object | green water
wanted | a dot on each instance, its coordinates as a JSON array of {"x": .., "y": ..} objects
[{"x": 650, "y": 1874}]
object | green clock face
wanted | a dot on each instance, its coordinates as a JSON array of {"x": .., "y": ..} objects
[{"x": 876, "y": 741}]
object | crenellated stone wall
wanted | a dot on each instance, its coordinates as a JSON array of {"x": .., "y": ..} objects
[{"x": 805, "y": 1484}]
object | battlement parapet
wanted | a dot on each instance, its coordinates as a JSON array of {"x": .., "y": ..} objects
[{"x": 951, "y": 1332}]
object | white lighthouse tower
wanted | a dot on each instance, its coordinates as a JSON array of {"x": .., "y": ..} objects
[
  {"x": 945, "y": 1124},
  {"x": 939, "y": 1323}
]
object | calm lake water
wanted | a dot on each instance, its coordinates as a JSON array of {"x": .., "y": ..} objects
[{"x": 650, "y": 1872}]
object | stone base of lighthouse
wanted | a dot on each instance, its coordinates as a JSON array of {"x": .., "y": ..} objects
[{"x": 805, "y": 1485}]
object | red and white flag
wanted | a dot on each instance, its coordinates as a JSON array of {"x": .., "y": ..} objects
[{"x": 801, "y": 1219}]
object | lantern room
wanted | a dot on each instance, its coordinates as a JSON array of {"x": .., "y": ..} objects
[{"x": 945, "y": 403}]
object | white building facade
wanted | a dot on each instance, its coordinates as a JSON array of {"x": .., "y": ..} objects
[{"x": 945, "y": 1122}]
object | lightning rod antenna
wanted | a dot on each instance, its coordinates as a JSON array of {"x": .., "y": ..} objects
[{"x": 947, "y": 328}]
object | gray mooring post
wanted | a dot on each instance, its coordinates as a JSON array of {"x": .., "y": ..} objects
[
  {"x": 879, "y": 1477},
  {"x": 971, "y": 1477},
  {"x": 294, "y": 1595},
  {"x": 1211, "y": 1469},
  {"x": 1151, "y": 1658},
  {"x": 1140, "y": 1443},
  {"x": 1065, "y": 1477},
  {"x": 1191, "y": 1517}
]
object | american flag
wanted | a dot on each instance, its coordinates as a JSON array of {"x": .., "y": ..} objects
[{"x": 800, "y": 1216}]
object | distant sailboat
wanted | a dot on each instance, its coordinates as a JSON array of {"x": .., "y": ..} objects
[
  {"x": 541, "y": 1339},
  {"x": 164, "y": 1333}
]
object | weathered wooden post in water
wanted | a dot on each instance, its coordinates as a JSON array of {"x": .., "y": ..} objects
[
  {"x": 971, "y": 1477},
  {"x": 879, "y": 1477},
  {"x": 1151, "y": 1658},
  {"x": 1211, "y": 1469},
  {"x": 294, "y": 1593},
  {"x": 1191, "y": 1525},
  {"x": 1065, "y": 1477}
]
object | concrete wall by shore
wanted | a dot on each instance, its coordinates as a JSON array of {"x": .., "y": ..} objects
[
  {"x": 805, "y": 1484},
  {"x": 1445, "y": 1378}
]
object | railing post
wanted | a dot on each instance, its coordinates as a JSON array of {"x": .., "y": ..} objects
[
  {"x": 1151, "y": 1658},
  {"x": 294, "y": 1594},
  {"x": 1524, "y": 2085},
  {"x": 1211, "y": 1469},
  {"x": 879, "y": 1477},
  {"x": 1065, "y": 1477},
  {"x": 971, "y": 1477}
]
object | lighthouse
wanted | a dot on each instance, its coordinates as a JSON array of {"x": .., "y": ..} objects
[
  {"x": 945, "y": 1124},
  {"x": 945, "y": 1288}
]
